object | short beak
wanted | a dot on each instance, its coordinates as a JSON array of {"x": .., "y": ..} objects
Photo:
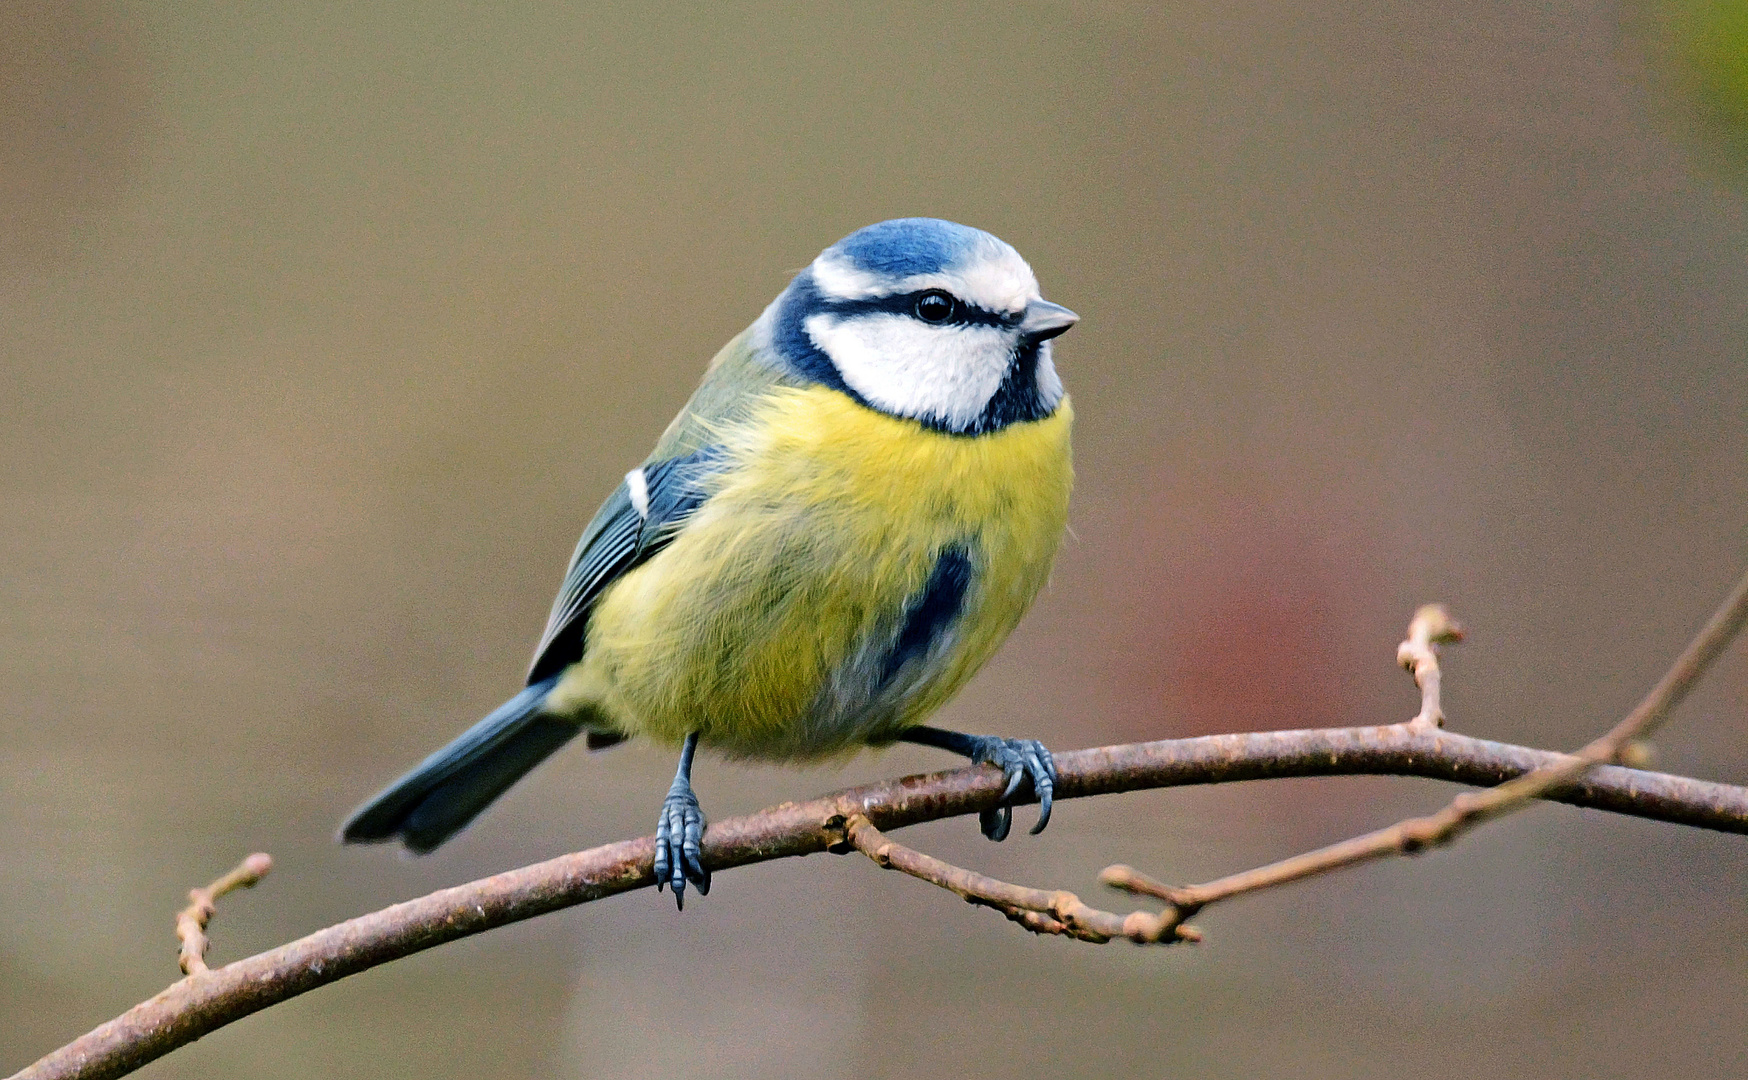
[{"x": 1044, "y": 320}]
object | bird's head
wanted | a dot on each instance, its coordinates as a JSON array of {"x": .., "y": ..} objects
[{"x": 924, "y": 319}]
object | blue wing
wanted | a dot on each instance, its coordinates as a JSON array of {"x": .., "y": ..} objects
[{"x": 639, "y": 519}]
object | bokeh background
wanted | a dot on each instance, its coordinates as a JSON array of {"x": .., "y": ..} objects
[{"x": 325, "y": 326}]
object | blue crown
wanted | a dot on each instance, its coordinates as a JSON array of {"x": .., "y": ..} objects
[{"x": 907, "y": 246}]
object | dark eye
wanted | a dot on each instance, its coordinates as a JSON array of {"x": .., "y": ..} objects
[{"x": 934, "y": 306}]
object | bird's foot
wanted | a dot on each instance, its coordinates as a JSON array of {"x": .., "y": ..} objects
[
  {"x": 1018, "y": 759},
  {"x": 679, "y": 843}
]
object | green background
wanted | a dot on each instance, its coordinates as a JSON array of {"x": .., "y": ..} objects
[{"x": 325, "y": 327}]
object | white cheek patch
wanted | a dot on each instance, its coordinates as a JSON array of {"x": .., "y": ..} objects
[{"x": 941, "y": 373}]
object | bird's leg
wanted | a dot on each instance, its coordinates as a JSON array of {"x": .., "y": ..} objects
[
  {"x": 1018, "y": 759},
  {"x": 680, "y": 833}
]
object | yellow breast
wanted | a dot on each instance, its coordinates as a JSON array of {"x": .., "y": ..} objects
[{"x": 754, "y": 626}]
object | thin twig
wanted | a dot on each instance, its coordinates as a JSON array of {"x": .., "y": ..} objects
[
  {"x": 202, "y": 903},
  {"x": 1038, "y": 910},
  {"x": 1470, "y": 808},
  {"x": 1431, "y": 627}
]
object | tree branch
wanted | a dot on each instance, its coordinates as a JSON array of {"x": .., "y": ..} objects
[
  {"x": 209, "y": 1000},
  {"x": 1468, "y": 810},
  {"x": 1047, "y": 912},
  {"x": 852, "y": 819}
]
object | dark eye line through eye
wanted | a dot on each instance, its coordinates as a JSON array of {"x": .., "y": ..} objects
[{"x": 962, "y": 314}]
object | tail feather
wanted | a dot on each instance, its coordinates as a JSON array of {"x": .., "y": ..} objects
[{"x": 449, "y": 789}]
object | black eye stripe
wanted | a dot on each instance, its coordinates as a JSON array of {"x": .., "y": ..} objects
[{"x": 964, "y": 314}]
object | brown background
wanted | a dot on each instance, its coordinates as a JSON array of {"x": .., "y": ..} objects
[{"x": 324, "y": 327}]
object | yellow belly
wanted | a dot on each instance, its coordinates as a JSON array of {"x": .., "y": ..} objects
[{"x": 828, "y": 519}]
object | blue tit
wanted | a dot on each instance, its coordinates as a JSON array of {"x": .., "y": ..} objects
[{"x": 842, "y": 525}]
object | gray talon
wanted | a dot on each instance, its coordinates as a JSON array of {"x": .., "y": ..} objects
[
  {"x": 1019, "y": 760},
  {"x": 996, "y": 823},
  {"x": 679, "y": 844}
]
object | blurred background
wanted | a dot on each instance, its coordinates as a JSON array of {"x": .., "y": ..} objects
[{"x": 325, "y": 327}]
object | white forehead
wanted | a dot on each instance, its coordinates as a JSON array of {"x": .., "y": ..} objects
[{"x": 988, "y": 273}]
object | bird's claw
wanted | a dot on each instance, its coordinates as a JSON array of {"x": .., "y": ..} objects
[
  {"x": 679, "y": 846},
  {"x": 1019, "y": 760}
]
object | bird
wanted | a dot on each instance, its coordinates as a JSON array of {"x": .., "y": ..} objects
[{"x": 845, "y": 521}]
